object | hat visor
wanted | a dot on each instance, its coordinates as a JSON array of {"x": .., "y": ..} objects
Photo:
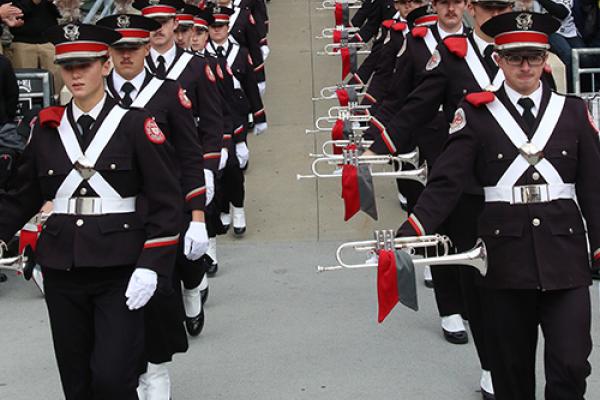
[
  {"x": 493, "y": 3},
  {"x": 522, "y": 47},
  {"x": 72, "y": 62},
  {"x": 130, "y": 44},
  {"x": 219, "y": 23}
]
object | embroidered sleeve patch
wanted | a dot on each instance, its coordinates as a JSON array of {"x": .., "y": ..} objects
[
  {"x": 434, "y": 61},
  {"x": 153, "y": 132},
  {"x": 458, "y": 122},
  {"x": 209, "y": 74},
  {"x": 183, "y": 99}
]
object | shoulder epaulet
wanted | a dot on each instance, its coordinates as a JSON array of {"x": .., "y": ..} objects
[
  {"x": 419, "y": 31},
  {"x": 50, "y": 117},
  {"x": 457, "y": 45},
  {"x": 399, "y": 26},
  {"x": 387, "y": 23},
  {"x": 478, "y": 99}
]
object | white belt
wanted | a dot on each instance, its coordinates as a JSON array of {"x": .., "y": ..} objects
[
  {"x": 542, "y": 193},
  {"x": 93, "y": 205}
]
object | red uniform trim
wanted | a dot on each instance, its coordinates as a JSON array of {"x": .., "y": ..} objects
[
  {"x": 416, "y": 225},
  {"x": 480, "y": 98},
  {"x": 158, "y": 10},
  {"x": 520, "y": 37},
  {"x": 81, "y": 46}
]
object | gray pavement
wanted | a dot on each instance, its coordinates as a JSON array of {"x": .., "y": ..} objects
[{"x": 274, "y": 328}]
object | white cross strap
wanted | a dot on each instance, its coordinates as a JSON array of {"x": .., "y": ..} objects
[
  {"x": 235, "y": 49},
  {"x": 430, "y": 41},
  {"x": 478, "y": 70},
  {"x": 147, "y": 93},
  {"x": 506, "y": 189},
  {"x": 179, "y": 66}
]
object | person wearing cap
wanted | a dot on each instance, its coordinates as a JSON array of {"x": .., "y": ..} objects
[
  {"x": 242, "y": 28},
  {"x": 134, "y": 86},
  {"x": 535, "y": 153},
  {"x": 245, "y": 98},
  {"x": 199, "y": 33},
  {"x": 101, "y": 262},
  {"x": 258, "y": 10},
  {"x": 185, "y": 25}
]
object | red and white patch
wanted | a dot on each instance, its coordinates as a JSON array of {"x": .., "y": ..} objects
[
  {"x": 220, "y": 72},
  {"x": 251, "y": 19},
  {"x": 183, "y": 99},
  {"x": 592, "y": 121},
  {"x": 458, "y": 122},
  {"x": 153, "y": 132},
  {"x": 209, "y": 74},
  {"x": 434, "y": 61},
  {"x": 250, "y": 60},
  {"x": 229, "y": 71}
]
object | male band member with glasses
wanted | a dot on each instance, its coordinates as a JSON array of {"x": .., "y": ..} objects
[
  {"x": 101, "y": 262},
  {"x": 461, "y": 64},
  {"x": 535, "y": 153}
]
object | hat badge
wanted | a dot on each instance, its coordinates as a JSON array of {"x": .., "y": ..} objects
[
  {"x": 123, "y": 21},
  {"x": 153, "y": 2},
  {"x": 524, "y": 21},
  {"x": 217, "y": 10},
  {"x": 71, "y": 32},
  {"x": 430, "y": 9}
]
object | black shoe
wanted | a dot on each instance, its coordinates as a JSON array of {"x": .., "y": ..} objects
[
  {"x": 226, "y": 228},
  {"x": 487, "y": 395},
  {"x": 195, "y": 324},
  {"x": 239, "y": 231},
  {"x": 428, "y": 283},
  {"x": 596, "y": 274},
  {"x": 460, "y": 337},
  {"x": 204, "y": 295},
  {"x": 3, "y": 277},
  {"x": 212, "y": 269}
]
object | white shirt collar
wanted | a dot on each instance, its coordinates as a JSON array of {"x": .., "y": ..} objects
[
  {"x": 137, "y": 83},
  {"x": 481, "y": 44},
  {"x": 514, "y": 97},
  {"x": 443, "y": 33},
  {"x": 169, "y": 56},
  {"x": 94, "y": 112}
]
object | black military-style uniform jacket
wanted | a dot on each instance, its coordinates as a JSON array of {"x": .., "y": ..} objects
[
  {"x": 242, "y": 28},
  {"x": 382, "y": 10},
  {"x": 246, "y": 97},
  {"x": 172, "y": 111},
  {"x": 447, "y": 79},
  {"x": 361, "y": 15},
  {"x": 199, "y": 82},
  {"x": 534, "y": 245},
  {"x": 258, "y": 9},
  {"x": 134, "y": 162}
]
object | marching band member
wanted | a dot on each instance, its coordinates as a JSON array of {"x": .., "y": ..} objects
[
  {"x": 244, "y": 98},
  {"x": 535, "y": 153},
  {"x": 101, "y": 262},
  {"x": 196, "y": 77},
  {"x": 135, "y": 87},
  {"x": 185, "y": 25}
]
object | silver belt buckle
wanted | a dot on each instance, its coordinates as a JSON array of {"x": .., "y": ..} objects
[
  {"x": 532, "y": 193},
  {"x": 84, "y": 205}
]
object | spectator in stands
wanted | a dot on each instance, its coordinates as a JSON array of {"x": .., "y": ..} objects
[
  {"x": 11, "y": 143},
  {"x": 10, "y": 16},
  {"x": 30, "y": 48}
]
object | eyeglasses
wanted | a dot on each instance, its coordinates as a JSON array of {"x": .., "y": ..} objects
[{"x": 516, "y": 60}]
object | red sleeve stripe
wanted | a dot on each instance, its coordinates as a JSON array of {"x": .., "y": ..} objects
[
  {"x": 263, "y": 41},
  {"x": 261, "y": 66},
  {"x": 359, "y": 37},
  {"x": 227, "y": 136},
  {"x": 372, "y": 99},
  {"x": 416, "y": 225},
  {"x": 259, "y": 112},
  {"x": 195, "y": 193},
  {"x": 596, "y": 254},
  {"x": 161, "y": 242},
  {"x": 212, "y": 156},
  {"x": 384, "y": 135},
  {"x": 239, "y": 130}
]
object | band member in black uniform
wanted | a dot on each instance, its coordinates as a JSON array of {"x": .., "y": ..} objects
[
  {"x": 535, "y": 153},
  {"x": 458, "y": 66},
  {"x": 245, "y": 98},
  {"x": 258, "y": 10},
  {"x": 134, "y": 86},
  {"x": 185, "y": 25},
  {"x": 101, "y": 262},
  {"x": 382, "y": 10}
]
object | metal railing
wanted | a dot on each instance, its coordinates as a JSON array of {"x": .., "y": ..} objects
[
  {"x": 578, "y": 70},
  {"x": 100, "y": 9}
]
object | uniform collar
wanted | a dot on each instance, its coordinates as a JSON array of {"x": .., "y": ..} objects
[
  {"x": 94, "y": 112},
  {"x": 481, "y": 44},
  {"x": 169, "y": 56},
  {"x": 137, "y": 81},
  {"x": 514, "y": 97},
  {"x": 443, "y": 33}
]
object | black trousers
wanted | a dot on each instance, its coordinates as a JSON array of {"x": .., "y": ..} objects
[
  {"x": 512, "y": 321},
  {"x": 98, "y": 341},
  {"x": 190, "y": 272},
  {"x": 232, "y": 183}
]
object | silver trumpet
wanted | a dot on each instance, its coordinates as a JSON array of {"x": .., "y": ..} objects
[
  {"x": 23, "y": 263},
  {"x": 411, "y": 158},
  {"x": 327, "y": 33},
  {"x": 328, "y": 92},
  {"x": 325, "y": 124},
  {"x": 352, "y": 108},
  {"x": 476, "y": 257},
  {"x": 418, "y": 174},
  {"x": 330, "y": 4},
  {"x": 333, "y": 49},
  {"x": 360, "y": 143}
]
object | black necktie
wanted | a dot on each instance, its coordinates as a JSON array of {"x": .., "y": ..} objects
[
  {"x": 161, "y": 69},
  {"x": 220, "y": 51},
  {"x": 85, "y": 122},
  {"x": 487, "y": 56},
  {"x": 127, "y": 88},
  {"x": 528, "y": 117}
]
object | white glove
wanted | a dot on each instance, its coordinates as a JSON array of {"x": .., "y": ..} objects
[
  {"x": 140, "y": 288},
  {"x": 259, "y": 128},
  {"x": 196, "y": 241},
  {"x": 223, "y": 160},
  {"x": 262, "y": 88},
  {"x": 209, "y": 183},
  {"x": 242, "y": 153},
  {"x": 264, "y": 49}
]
